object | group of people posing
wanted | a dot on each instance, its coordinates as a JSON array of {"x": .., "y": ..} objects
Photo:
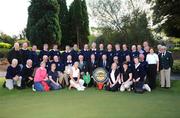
[{"x": 133, "y": 68}]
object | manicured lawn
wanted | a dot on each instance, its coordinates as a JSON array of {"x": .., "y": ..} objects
[{"x": 91, "y": 103}]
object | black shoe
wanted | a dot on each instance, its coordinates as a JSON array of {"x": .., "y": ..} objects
[
  {"x": 19, "y": 88},
  {"x": 4, "y": 85}
]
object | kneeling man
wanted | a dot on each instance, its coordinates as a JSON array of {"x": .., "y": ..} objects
[
  {"x": 13, "y": 75},
  {"x": 27, "y": 74}
]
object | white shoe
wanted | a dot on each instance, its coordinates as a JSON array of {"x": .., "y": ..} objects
[
  {"x": 83, "y": 87},
  {"x": 80, "y": 89},
  {"x": 146, "y": 87},
  {"x": 33, "y": 88},
  {"x": 129, "y": 89}
]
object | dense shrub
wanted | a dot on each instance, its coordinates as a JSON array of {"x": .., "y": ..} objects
[
  {"x": 5, "y": 45},
  {"x": 176, "y": 66},
  {"x": 7, "y": 39},
  {"x": 4, "y": 52}
]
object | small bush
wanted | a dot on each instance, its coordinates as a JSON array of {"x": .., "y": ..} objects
[
  {"x": 175, "y": 49},
  {"x": 5, "y": 45},
  {"x": 176, "y": 66},
  {"x": 4, "y": 52}
]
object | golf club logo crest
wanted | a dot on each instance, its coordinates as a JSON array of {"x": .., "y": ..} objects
[{"x": 100, "y": 75}]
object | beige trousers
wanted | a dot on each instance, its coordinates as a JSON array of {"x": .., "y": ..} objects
[
  {"x": 11, "y": 82},
  {"x": 125, "y": 85},
  {"x": 165, "y": 77}
]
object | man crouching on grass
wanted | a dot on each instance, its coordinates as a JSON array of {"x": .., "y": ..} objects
[{"x": 13, "y": 75}]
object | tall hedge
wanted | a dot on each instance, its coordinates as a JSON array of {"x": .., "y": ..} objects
[{"x": 43, "y": 22}]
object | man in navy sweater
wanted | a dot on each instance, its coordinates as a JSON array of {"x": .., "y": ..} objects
[
  {"x": 94, "y": 50},
  {"x": 101, "y": 51},
  {"x": 54, "y": 52},
  {"x": 134, "y": 52},
  {"x": 125, "y": 52},
  {"x": 110, "y": 53},
  {"x": 118, "y": 53},
  {"x": 24, "y": 53},
  {"x": 15, "y": 54},
  {"x": 43, "y": 52},
  {"x": 13, "y": 75},
  {"x": 66, "y": 53},
  {"x": 86, "y": 52},
  {"x": 34, "y": 57},
  {"x": 75, "y": 52},
  {"x": 27, "y": 75}
]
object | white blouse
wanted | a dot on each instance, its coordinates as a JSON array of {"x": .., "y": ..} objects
[
  {"x": 112, "y": 76},
  {"x": 75, "y": 72},
  {"x": 152, "y": 58}
]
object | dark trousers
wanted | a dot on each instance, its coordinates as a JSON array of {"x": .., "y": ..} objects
[
  {"x": 151, "y": 75},
  {"x": 114, "y": 88},
  {"x": 25, "y": 82}
]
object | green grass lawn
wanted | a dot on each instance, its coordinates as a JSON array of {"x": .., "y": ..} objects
[{"x": 92, "y": 103}]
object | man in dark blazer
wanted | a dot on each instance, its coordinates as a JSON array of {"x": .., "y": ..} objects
[
  {"x": 104, "y": 63},
  {"x": 165, "y": 65},
  {"x": 92, "y": 65}
]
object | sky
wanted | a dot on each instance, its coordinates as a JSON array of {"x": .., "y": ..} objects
[{"x": 13, "y": 15}]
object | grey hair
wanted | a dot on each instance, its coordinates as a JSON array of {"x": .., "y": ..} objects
[
  {"x": 164, "y": 47},
  {"x": 76, "y": 63}
]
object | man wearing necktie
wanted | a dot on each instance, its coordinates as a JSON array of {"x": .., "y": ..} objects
[
  {"x": 92, "y": 66},
  {"x": 166, "y": 63},
  {"x": 104, "y": 63}
]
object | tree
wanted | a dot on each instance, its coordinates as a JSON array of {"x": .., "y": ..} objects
[
  {"x": 85, "y": 20},
  {"x": 43, "y": 22},
  {"x": 123, "y": 21},
  {"x": 79, "y": 22},
  {"x": 7, "y": 39},
  {"x": 137, "y": 29},
  {"x": 166, "y": 16},
  {"x": 64, "y": 23}
]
